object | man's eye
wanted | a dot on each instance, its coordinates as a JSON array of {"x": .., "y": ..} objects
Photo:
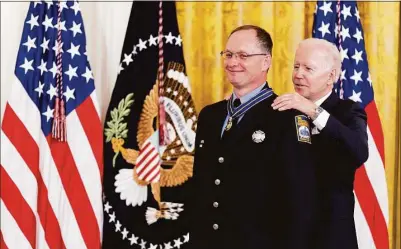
[
  {"x": 243, "y": 56},
  {"x": 296, "y": 66},
  {"x": 229, "y": 55}
]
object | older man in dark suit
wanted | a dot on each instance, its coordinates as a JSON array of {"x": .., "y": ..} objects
[
  {"x": 339, "y": 139},
  {"x": 254, "y": 183}
]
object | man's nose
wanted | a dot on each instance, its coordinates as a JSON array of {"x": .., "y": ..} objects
[
  {"x": 299, "y": 73},
  {"x": 233, "y": 61}
]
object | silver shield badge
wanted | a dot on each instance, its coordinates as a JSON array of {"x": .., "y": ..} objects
[{"x": 258, "y": 136}]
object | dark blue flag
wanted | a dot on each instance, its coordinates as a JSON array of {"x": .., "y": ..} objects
[{"x": 146, "y": 183}]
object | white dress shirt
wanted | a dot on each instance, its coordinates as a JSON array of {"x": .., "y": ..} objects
[{"x": 321, "y": 121}]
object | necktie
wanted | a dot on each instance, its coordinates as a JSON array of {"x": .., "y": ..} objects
[
  {"x": 237, "y": 102},
  {"x": 232, "y": 123}
]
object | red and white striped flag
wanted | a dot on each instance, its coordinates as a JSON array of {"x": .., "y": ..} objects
[
  {"x": 148, "y": 162},
  {"x": 51, "y": 191},
  {"x": 340, "y": 23}
]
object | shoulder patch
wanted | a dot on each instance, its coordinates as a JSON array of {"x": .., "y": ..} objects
[{"x": 303, "y": 129}]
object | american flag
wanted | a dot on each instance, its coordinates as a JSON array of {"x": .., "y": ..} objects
[
  {"x": 51, "y": 191},
  {"x": 340, "y": 23}
]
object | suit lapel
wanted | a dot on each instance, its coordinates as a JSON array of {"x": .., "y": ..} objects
[{"x": 330, "y": 101}]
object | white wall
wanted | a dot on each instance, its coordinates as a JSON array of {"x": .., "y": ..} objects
[{"x": 105, "y": 26}]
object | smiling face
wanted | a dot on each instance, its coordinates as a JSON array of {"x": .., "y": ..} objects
[
  {"x": 314, "y": 73},
  {"x": 249, "y": 72}
]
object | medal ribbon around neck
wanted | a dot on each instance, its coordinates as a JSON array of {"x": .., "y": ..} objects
[{"x": 244, "y": 107}]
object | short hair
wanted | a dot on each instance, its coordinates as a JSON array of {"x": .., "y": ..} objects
[
  {"x": 264, "y": 38},
  {"x": 330, "y": 50}
]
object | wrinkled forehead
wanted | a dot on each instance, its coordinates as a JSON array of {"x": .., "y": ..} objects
[
  {"x": 243, "y": 41},
  {"x": 314, "y": 55}
]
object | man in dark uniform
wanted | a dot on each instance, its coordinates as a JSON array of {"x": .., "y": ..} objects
[
  {"x": 254, "y": 185},
  {"x": 340, "y": 140}
]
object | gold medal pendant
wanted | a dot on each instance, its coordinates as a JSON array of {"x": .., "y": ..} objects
[{"x": 229, "y": 123}]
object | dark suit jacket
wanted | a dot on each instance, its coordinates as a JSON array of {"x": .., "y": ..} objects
[
  {"x": 251, "y": 194},
  {"x": 340, "y": 148}
]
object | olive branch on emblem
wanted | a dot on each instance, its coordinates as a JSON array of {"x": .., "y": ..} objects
[{"x": 118, "y": 130}]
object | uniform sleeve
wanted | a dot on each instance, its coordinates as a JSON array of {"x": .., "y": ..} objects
[
  {"x": 351, "y": 133},
  {"x": 193, "y": 186},
  {"x": 199, "y": 134},
  {"x": 299, "y": 183}
]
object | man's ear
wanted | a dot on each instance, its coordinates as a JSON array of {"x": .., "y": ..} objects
[
  {"x": 267, "y": 62},
  {"x": 332, "y": 77}
]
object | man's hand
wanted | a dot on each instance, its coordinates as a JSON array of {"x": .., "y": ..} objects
[{"x": 294, "y": 101}]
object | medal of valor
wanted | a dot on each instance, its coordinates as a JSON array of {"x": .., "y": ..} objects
[
  {"x": 229, "y": 123},
  {"x": 234, "y": 112}
]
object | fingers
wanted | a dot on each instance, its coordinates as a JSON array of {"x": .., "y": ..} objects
[
  {"x": 280, "y": 99},
  {"x": 282, "y": 105}
]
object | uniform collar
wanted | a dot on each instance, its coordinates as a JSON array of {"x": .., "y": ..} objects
[{"x": 250, "y": 95}]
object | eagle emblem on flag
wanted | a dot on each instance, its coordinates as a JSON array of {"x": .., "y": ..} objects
[
  {"x": 149, "y": 136},
  {"x": 176, "y": 157}
]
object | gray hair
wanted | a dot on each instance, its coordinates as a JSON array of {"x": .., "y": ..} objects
[{"x": 330, "y": 50}]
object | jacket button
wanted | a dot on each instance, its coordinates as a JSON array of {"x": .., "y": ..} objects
[
  {"x": 215, "y": 204},
  {"x": 217, "y": 182},
  {"x": 215, "y": 226},
  {"x": 221, "y": 159}
]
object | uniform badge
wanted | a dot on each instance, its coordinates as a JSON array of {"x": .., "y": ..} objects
[
  {"x": 258, "y": 136},
  {"x": 303, "y": 129}
]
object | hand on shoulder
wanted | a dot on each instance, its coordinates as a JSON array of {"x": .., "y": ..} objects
[{"x": 294, "y": 101}]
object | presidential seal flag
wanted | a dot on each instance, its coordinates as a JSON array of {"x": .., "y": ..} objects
[{"x": 149, "y": 136}]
